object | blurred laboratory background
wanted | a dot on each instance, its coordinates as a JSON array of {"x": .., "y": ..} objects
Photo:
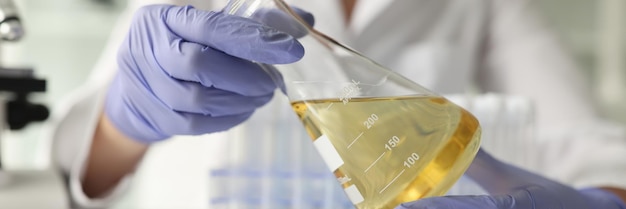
[{"x": 65, "y": 37}]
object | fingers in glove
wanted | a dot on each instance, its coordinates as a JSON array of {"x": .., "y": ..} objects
[
  {"x": 201, "y": 80},
  {"x": 193, "y": 62},
  {"x": 147, "y": 113},
  {"x": 284, "y": 22},
  {"x": 191, "y": 97},
  {"x": 233, "y": 35},
  {"x": 452, "y": 202},
  {"x": 195, "y": 124}
]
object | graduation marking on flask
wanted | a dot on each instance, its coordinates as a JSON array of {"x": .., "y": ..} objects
[
  {"x": 350, "y": 91},
  {"x": 391, "y": 182}
]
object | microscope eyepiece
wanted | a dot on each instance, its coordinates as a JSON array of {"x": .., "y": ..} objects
[{"x": 11, "y": 28}]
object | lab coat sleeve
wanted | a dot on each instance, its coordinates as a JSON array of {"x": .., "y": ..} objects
[
  {"x": 522, "y": 57},
  {"x": 73, "y": 121}
]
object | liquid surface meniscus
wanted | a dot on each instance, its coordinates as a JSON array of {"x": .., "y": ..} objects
[{"x": 392, "y": 150}]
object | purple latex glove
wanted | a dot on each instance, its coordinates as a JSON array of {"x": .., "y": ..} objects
[
  {"x": 514, "y": 188},
  {"x": 184, "y": 71}
]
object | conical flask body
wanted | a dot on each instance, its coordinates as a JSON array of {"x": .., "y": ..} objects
[{"x": 387, "y": 139}]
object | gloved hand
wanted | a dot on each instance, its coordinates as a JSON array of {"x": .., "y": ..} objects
[
  {"x": 514, "y": 188},
  {"x": 184, "y": 71}
]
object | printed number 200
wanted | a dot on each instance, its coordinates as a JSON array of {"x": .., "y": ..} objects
[{"x": 370, "y": 121}]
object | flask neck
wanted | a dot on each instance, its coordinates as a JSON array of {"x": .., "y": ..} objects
[
  {"x": 248, "y": 8},
  {"x": 244, "y": 8},
  {"x": 274, "y": 13}
]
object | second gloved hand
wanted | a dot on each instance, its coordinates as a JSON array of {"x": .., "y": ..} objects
[
  {"x": 184, "y": 71},
  {"x": 514, "y": 188}
]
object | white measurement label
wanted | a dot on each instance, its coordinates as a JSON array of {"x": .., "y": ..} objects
[
  {"x": 410, "y": 161},
  {"x": 354, "y": 194},
  {"x": 349, "y": 91},
  {"x": 393, "y": 142},
  {"x": 370, "y": 121},
  {"x": 344, "y": 179},
  {"x": 328, "y": 152}
]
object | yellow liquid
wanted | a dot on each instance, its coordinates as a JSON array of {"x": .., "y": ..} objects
[{"x": 396, "y": 149}]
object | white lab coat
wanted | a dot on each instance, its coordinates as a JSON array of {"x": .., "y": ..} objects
[{"x": 448, "y": 46}]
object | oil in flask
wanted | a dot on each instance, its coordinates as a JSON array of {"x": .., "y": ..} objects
[
  {"x": 396, "y": 149},
  {"x": 387, "y": 139}
]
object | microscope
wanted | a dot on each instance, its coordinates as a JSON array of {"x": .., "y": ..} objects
[{"x": 23, "y": 188}]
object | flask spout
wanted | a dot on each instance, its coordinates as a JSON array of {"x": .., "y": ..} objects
[{"x": 273, "y": 13}]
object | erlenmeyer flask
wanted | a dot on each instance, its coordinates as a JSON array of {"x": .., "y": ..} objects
[{"x": 387, "y": 139}]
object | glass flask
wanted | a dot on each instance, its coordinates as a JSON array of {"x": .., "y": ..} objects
[{"x": 387, "y": 139}]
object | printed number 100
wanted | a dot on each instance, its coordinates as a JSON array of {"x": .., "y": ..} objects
[{"x": 410, "y": 161}]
